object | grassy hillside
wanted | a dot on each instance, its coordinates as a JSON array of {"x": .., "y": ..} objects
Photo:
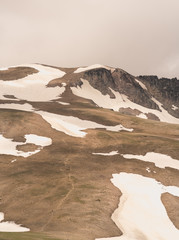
[{"x": 64, "y": 191}]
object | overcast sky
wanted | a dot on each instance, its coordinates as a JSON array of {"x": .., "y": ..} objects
[{"x": 139, "y": 36}]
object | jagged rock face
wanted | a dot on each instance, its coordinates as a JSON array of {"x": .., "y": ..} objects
[
  {"x": 120, "y": 81},
  {"x": 104, "y": 80},
  {"x": 164, "y": 87},
  {"x": 127, "y": 85},
  {"x": 164, "y": 90},
  {"x": 141, "y": 90}
]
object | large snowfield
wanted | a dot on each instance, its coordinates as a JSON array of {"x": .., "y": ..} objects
[{"x": 28, "y": 88}]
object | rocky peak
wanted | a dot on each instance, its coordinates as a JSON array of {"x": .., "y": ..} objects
[
  {"x": 165, "y": 90},
  {"x": 142, "y": 90}
]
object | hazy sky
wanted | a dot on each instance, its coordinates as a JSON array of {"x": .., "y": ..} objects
[{"x": 139, "y": 36}]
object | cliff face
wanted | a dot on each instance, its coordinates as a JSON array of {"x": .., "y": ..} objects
[
  {"x": 164, "y": 90},
  {"x": 164, "y": 87},
  {"x": 147, "y": 91},
  {"x": 122, "y": 82}
]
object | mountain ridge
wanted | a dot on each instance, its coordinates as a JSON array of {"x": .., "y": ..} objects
[
  {"x": 125, "y": 83},
  {"x": 73, "y": 142}
]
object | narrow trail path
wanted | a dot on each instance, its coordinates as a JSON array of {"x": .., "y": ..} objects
[{"x": 62, "y": 201}]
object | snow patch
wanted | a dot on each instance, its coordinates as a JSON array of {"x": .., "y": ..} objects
[
  {"x": 64, "y": 103},
  {"x": 160, "y": 160},
  {"x": 88, "y": 92},
  {"x": 140, "y": 213},
  {"x": 11, "y": 226},
  {"x": 8, "y": 147},
  {"x": 169, "y": 117},
  {"x": 112, "y": 153},
  {"x": 174, "y": 107},
  {"x": 38, "y": 140},
  {"x": 82, "y": 69},
  {"x": 74, "y": 126},
  {"x": 142, "y": 115},
  {"x": 4, "y": 68},
  {"x": 33, "y": 87},
  {"x": 22, "y": 107},
  {"x": 14, "y": 160},
  {"x": 148, "y": 169}
]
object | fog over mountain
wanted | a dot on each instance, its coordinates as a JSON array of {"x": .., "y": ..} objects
[{"x": 138, "y": 36}]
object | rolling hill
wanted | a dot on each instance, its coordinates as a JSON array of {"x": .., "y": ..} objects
[{"x": 88, "y": 153}]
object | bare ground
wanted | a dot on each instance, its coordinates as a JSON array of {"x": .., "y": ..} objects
[{"x": 64, "y": 190}]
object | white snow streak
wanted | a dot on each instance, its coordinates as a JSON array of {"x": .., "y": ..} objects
[
  {"x": 148, "y": 169},
  {"x": 82, "y": 69},
  {"x": 14, "y": 160},
  {"x": 70, "y": 125},
  {"x": 164, "y": 112},
  {"x": 63, "y": 103},
  {"x": 142, "y": 115},
  {"x": 140, "y": 214},
  {"x": 112, "y": 153},
  {"x": 160, "y": 160},
  {"x": 22, "y": 107},
  {"x": 141, "y": 84},
  {"x": 4, "y": 68},
  {"x": 74, "y": 126},
  {"x": 174, "y": 107}
]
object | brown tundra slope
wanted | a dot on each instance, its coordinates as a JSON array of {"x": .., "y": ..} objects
[{"x": 57, "y": 186}]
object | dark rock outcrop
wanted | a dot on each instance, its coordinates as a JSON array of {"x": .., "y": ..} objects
[{"x": 165, "y": 90}]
